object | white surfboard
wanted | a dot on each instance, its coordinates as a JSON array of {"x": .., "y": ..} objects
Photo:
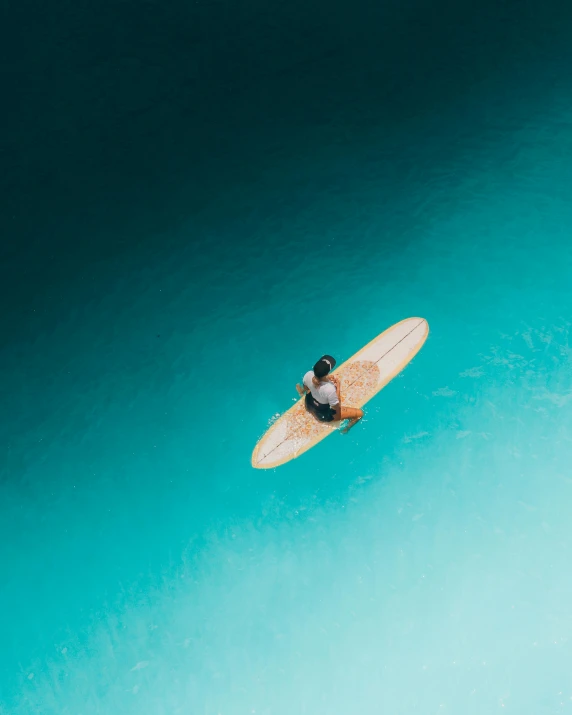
[{"x": 361, "y": 377}]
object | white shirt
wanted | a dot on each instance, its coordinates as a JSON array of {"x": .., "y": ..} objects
[{"x": 325, "y": 393}]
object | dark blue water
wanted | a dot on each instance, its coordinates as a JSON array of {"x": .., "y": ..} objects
[{"x": 199, "y": 200}]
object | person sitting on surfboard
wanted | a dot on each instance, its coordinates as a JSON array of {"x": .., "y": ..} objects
[{"x": 323, "y": 399}]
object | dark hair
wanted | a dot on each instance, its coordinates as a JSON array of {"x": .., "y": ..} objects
[{"x": 321, "y": 369}]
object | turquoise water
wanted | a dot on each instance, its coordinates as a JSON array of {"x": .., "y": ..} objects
[{"x": 418, "y": 564}]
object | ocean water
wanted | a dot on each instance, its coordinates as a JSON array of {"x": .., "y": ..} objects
[{"x": 199, "y": 201}]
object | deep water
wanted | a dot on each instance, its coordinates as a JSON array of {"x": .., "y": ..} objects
[{"x": 197, "y": 201}]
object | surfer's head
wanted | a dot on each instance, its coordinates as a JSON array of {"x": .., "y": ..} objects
[{"x": 323, "y": 366}]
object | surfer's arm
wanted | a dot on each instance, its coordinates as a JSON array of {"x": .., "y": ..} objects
[
  {"x": 336, "y": 383},
  {"x": 302, "y": 390}
]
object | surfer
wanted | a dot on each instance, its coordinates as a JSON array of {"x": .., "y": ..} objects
[{"x": 323, "y": 399}]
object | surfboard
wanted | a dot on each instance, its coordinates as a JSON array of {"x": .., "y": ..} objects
[{"x": 361, "y": 377}]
